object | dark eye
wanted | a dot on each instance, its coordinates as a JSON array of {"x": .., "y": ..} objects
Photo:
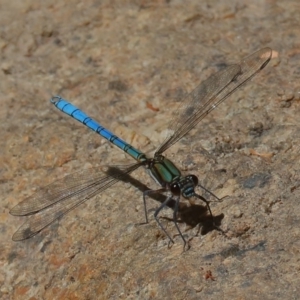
[
  {"x": 175, "y": 189},
  {"x": 194, "y": 178}
]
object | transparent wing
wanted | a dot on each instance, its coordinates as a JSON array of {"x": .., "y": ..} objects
[
  {"x": 210, "y": 93},
  {"x": 53, "y": 201}
]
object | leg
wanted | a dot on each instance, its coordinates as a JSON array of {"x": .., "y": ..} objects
[
  {"x": 207, "y": 204},
  {"x": 157, "y": 220},
  {"x": 176, "y": 224},
  {"x": 146, "y": 193},
  {"x": 208, "y": 207},
  {"x": 208, "y": 191}
]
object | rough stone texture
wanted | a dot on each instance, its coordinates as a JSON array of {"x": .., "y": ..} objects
[{"x": 125, "y": 63}]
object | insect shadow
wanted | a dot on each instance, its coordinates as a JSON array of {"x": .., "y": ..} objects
[{"x": 191, "y": 214}]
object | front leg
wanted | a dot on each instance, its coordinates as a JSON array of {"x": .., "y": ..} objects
[{"x": 145, "y": 194}]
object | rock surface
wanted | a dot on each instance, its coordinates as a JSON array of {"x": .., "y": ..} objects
[{"x": 125, "y": 63}]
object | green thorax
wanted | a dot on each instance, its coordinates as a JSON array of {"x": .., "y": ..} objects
[{"x": 163, "y": 170}]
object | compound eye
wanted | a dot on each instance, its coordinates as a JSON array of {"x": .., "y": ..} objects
[
  {"x": 194, "y": 178},
  {"x": 175, "y": 189}
]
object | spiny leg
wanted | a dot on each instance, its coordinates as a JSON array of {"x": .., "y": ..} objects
[
  {"x": 207, "y": 205},
  {"x": 176, "y": 224},
  {"x": 157, "y": 220},
  {"x": 147, "y": 193},
  {"x": 209, "y": 192},
  {"x": 210, "y": 212}
]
